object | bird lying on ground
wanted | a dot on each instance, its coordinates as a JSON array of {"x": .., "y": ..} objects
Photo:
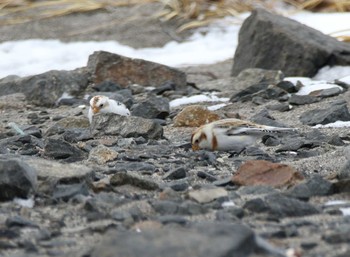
[
  {"x": 102, "y": 104},
  {"x": 231, "y": 134}
]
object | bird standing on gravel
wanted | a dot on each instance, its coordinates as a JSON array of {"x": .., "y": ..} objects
[
  {"x": 231, "y": 134},
  {"x": 102, "y": 104}
]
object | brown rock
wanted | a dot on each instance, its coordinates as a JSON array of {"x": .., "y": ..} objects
[
  {"x": 127, "y": 71},
  {"x": 194, "y": 116},
  {"x": 102, "y": 154},
  {"x": 259, "y": 172}
]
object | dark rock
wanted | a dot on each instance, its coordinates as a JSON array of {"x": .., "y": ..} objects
[
  {"x": 75, "y": 135},
  {"x": 315, "y": 186},
  {"x": 338, "y": 237},
  {"x": 131, "y": 126},
  {"x": 336, "y": 111},
  {"x": 62, "y": 150},
  {"x": 32, "y": 130},
  {"x": 328, "y": 92},
  {"x": 203, "y": 239},
  {"x": 122, "y": 178},
  {"x": 17, "y": 179},
  {"x": 67, "y": 192},
  {"x": 71, "y": 101},
  {"x": 126, "y": 71},
  {"x": 167, "y": 86},
  {"x": 302, "y": 99},
  {"x": 270, "y": 140},
  {"x": 247, "y": 94},
  {"x": 107, "y": 86},
  {"x": 223, "y": 182},
  {"x": 18, "y": 221},
  {"x": 296, "y": 144},
  {"x": 152, "y": 108},
  {"x": 206, "y": 175},
  {"x": 280, "y": 206},
  {"x": 264, "y": 118},
  {"x": 178, "y": 173},
  {"x": 178, "y": 185},
  {"x": 344, "y": 173},
  {"x": 45, "y": 89},
  {"x": 172, "y": 219},
  {"x": 287, "y": 86},
  {"x": 303, "y": 54},
  {"x": 142, "y": 167},
  {"x": 256, "y": 190}
]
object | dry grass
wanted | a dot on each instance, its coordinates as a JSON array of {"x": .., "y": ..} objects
[
  {"x": 193, "y": 13},
  {"x": 21, "y": 11}
]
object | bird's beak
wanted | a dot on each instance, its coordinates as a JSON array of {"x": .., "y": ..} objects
[
  {"x": 95, "y": 110},
  {"x": 195, "y": 147}
]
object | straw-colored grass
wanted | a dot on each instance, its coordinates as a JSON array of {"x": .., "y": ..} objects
[
  {"x": 192, "y": 13},
  {"x": 21, "y": 11}
]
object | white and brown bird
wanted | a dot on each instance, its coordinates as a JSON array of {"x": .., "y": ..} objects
[
  {"x": 231, "y": 134},
  {"x": 102, "y": 104}
]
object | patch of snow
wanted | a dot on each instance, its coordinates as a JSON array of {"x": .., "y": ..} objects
[
  {"x": 310, "y": 85},
  {"x": 28, "y": 203},
  {"x": 228, "y": 204},
  {"x": 332, "y": 73},
  {"x": 337, "y": 124},
  {"x": 335, "y": 202},
  {"x": 345, "y": 211},
  {"x": 345, "y": 79},
  {"x": 196, "y": 99},
  {"x": 216, "y": 107}
]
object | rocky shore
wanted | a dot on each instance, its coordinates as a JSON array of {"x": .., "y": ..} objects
[{"x": 132, "y": 186}]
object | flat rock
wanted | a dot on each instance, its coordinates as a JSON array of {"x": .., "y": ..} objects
[
  {"x": 113, "y": 125},
  {"x": 205, "y": 239},
  {"x": 260, "y": 172},
  {"x": 48, "y": 169},
  {"x": 126, "y": 71},
  {"x": 303, "y": 99},
  {"x": 17, "y": 178},
  {"x": 46, "y": 88},
  {"x": 194, "y": 116},
  {"x": 207, "y": 195},
  {"x": 336, "y": 111},
  {"x": 273, "y": 47}
]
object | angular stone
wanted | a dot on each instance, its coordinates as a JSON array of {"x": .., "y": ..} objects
[
  {"x": 260, "y": 172},
  {"x": 207, "y": 195},
  {"x": 336, "y": 111},
  {"x": 194, "y": 116},
  {"x": 46, "y": 88},
  {"x": 315, "y": 186},
  {"x": 265, "y": 41},
  {"x": 102, "y": 154},
  {"x": 62, "y": 150},
  {"x": 66, "y": 192},
  {"x": 303, "y": 99},
  {"x": 152, "y": 108},
  {"x": 110, "y": 124},
  {"x": 178, "y": 173},
  {"x": 215, "y": 239},
  {"x": 17, "y": 178},
  {"x": 126, "y": 71},
  {"x": 142, "y": 167},
  {"x": 280, "y": 206}
]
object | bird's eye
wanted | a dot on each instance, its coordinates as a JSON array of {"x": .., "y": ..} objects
[
  {"x": 196, "y": 141},
  {"x": 101, "y": 105}
]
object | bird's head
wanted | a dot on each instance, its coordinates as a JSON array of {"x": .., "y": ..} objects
[
  {"x": 198, "y": 139},
  {"x": 98, "y": 102}
]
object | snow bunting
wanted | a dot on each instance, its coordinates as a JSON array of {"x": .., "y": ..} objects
[
  {"x": 103, "y": 104},
  {"x": 231, "y": 134}
]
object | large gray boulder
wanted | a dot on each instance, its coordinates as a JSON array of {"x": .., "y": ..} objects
[{"x": 273, "y": 42}]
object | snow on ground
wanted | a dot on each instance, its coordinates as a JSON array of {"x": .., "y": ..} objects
[
  {"x": 196, "y": 99},
  {"x": 208, "y": 45},
  {"x": 337, "y": 124}
]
